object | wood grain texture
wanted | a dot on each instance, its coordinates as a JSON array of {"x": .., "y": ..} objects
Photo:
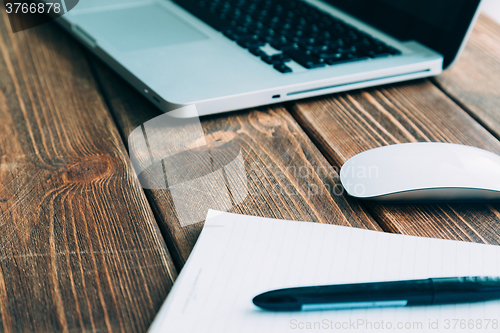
[
  {"x": 474, "y": 80},
  {"x": 79, "y": 246},
  {"x": 346, "y": 124},
  {"x": 285, "y": 175}
]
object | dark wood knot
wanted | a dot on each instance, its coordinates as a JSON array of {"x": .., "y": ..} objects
[{"x": 87, "y": 170}]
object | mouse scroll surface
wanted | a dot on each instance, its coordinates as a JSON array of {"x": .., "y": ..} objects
[{"x": 423, "y": 172}]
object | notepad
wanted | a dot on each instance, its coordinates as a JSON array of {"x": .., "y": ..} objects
[{"x": 237, "y": 257}]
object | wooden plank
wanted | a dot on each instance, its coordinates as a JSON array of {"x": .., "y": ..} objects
[
  {"x": 349, "y": 123},
  {"x": 286, "y": 176},
  {"x": 473, "y": 81},
  {"x": 79, "y": 247}
]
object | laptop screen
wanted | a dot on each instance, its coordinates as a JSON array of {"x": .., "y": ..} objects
[{"x": 438, "y": 24}]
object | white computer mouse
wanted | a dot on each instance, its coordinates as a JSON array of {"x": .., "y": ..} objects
[{"x": 423, "y": 172}]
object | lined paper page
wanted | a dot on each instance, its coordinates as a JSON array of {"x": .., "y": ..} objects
[{"x": 238, "y": 257}]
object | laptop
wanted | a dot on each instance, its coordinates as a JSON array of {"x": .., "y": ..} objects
[{"x": 224, "y": 55}]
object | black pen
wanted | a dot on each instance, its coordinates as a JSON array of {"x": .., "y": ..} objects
[{"x": 382, "y": 294}]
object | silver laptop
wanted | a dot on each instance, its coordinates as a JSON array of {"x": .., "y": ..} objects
[{"x": 224, "y": 55}]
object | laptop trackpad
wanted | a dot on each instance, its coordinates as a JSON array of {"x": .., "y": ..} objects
[{"x": 139, "y": 27}]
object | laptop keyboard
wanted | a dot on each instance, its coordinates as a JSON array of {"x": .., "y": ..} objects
[{"x": 279, "y": 31}]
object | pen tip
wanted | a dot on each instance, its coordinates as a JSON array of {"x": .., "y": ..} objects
[
  {"x": 259, "y": 300},
  {"x": 276, "y": 303}
]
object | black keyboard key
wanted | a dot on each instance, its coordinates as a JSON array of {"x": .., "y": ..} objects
[
  {"x": 286, "y": 47},
  {"x": 281, "y": 41},
  {"x": 308, "y": 41},
  {"x": 250, "y": 41},
  {"x": 256, "y": 51},
  {"x": 268, "y": 39},
  {"x": 231, "y": 34},
  {"x": 304, "y": 58},
  {"x": 240, "y": 34},
  {"x": 334, "y": 55},
  {"x": 315, "y": 49},
  {"x": 276, "y": 58},
  {"x": 282, "y": 68},
  {"x": 335, "y": 43},
  {"x": 319, "y": 49},
  {"x": 344, "y": 58},
  {"x": 377, "y": 50},
  {"x": 350, "y": 49}
]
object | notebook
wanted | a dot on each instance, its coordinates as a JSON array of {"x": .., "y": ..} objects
[{"x": 237, "y": 257}]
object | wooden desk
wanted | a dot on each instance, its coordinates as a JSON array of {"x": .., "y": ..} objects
[{"x": 82, "y": 247}]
